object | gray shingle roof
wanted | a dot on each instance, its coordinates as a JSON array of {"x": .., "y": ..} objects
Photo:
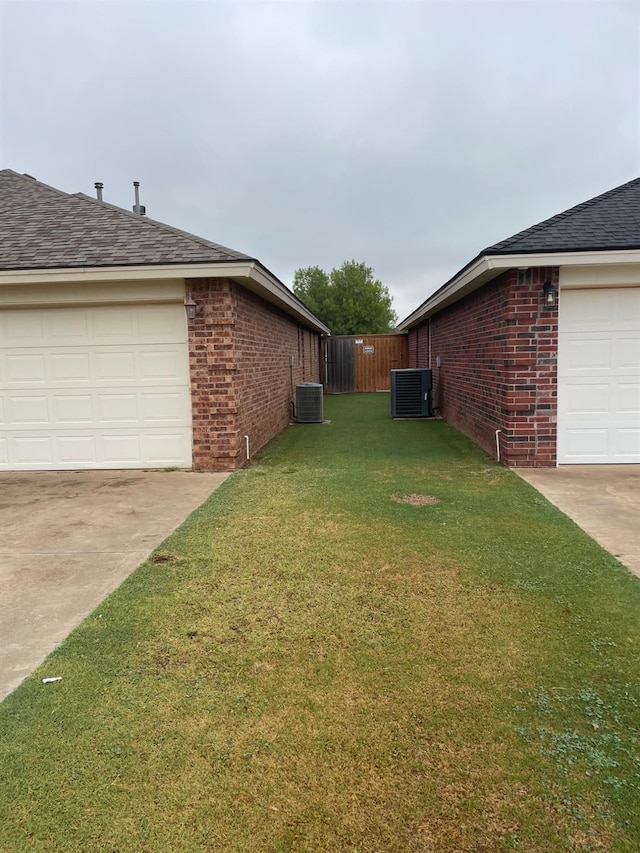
[
  {"x": 42, "y": 227},
  {"x": 608, "y": 221}
]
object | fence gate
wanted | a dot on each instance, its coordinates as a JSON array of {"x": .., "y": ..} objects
[
  {"x": 362, "y": 362},
  {"x": 340, "y": 374}
]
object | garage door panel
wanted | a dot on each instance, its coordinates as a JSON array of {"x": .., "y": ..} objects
[
  {"x": 30, "y": 450},
  {"x": 131, "y": 325},
  {"x": 166, "y": 407},
  {"x": 63, "y": 328},
  {"x": 117, "y": 408},
  {"x": 76, "y": 450},
  {"x": 627, "y": 354},
  {"x": 21, "y": 328},
  {"x": 160, "y": 325},
  {"x": 72, "y": 409},
  {"x": 599, "y": 376},
  {"x": 585, "y": 398},
  {"x": 124, "y": 324},
  {"x": 69, "y": 367},
  {"x": 143, "y": 364},
  {"x": 164, "y": 449},
  {"x": 629, "y": 443},
  {"x": 626, "y": 306},
  {"x": 97, "y": 409},
  {"x": 626, "y": 399},
  {"x": 95, "y": 387},
  {"x": 158, "y": 365},
  {"x": 25, "y": 368},
  {"x": 585, "y": 314},
  {"x": 585, "y": 355},
  {"x": 592, "y": 310},
  {"x": 112, "y": 325},
  {"x": 110, "y": 366},
  {"x": 584, "y": 443},
  {"x": 94, "y": 449},
  {"x": 120, "y": 448},
  {"x": 28, "y": 410}
]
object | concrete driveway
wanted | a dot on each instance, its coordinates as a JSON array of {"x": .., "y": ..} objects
[
  {"x": 69, "y": 539},
  {"x": 604, "y": 500}
]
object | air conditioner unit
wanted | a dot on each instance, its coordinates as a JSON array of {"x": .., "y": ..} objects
[
  {"x": 411, "y": 393},
  {"x": 309, "y": 403}
]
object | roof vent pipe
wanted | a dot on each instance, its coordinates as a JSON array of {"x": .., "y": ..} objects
[
  {"x": 137, "y": 207},
  {"x": 99, "y": 187}
]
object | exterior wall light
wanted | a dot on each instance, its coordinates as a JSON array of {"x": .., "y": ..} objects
[
  {"x": 192, "y": 308},
  {"x": 550, "y": 294}
]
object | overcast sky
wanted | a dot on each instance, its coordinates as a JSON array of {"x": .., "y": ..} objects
[{"x": 409, "y": 135}]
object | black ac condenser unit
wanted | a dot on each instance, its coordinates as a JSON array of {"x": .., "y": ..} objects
[{"x": 411, "y": 393}]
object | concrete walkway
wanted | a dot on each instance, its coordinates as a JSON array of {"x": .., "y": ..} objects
[
  {"x": 604, "y": 500},
  {"x": 68, "y": 539}
]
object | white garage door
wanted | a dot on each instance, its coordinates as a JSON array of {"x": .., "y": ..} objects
[
  {"x": 599, "y": 376},
  {"x": 94, "y": 387}
]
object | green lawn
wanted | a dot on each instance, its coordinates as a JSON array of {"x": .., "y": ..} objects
[{"x": 313, "y": 663}]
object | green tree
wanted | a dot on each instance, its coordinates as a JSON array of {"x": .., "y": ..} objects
[{"x": 349, "y": 300}]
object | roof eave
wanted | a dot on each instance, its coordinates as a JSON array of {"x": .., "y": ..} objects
[
  {"x": 485, "y": 267},
  {"x": 265, "y": 284},
  {"x": 496, "y": 250},
  {"x": 250, "y": 273}
]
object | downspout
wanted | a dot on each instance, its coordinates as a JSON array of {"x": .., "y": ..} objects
[
  {"x": 293, "y": 399},
  {"x": 246, "y": 441},
  {"x": 498, "y": 431},
  {"x": 325, "y": 361},
  {"x": 429, "y": 318}
]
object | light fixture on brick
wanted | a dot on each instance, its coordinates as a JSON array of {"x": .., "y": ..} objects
[
  {"x": 550, "y": 294},
  {"x": 191, "y": 307}
]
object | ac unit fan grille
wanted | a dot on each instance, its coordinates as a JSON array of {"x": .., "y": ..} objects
[{"x": 411, "y": 393}]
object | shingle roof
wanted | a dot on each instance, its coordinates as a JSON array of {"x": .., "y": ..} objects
[
  {"x": 42, "y": 227},
  {"x": 608, "y": 221}
]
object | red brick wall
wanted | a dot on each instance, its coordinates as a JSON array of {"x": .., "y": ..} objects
[
  {"x": 498, "y": 351},
  {"x": 531, "y": 358},
  {"x": 265, "y": 340},
  {"x": 212, "y": 370},
  {"x": 239, "y": 348},
  {"x": 422, "y": 345},
  {"x": 412, "y": 347}
]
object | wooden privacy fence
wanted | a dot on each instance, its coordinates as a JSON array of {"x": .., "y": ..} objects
[{"x": 362, "y": 362}]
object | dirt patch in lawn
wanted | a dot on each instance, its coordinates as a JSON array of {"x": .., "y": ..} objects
[{"x": 416, "y": 500}]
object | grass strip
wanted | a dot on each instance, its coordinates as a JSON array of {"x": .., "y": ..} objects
[{"x": 373, "y": 639}]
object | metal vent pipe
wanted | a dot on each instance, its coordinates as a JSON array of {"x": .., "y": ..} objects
[{"x": 137, "y": 207}]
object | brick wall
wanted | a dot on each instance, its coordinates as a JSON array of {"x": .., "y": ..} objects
[
  {"x": 239, "y": 348},
  {"x": 412, "y": 347},
  {"x": 498, "y": 351},
  {"x": 531, "y": 358},
  {"x": 265, "y": 340}
]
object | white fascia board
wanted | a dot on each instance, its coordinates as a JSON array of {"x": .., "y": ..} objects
[
  {"x": 254, "y": 275},
  {"x": 446, "y": 293},
  {"x": 123, "y": 273},
  {"x": 562, "y": 259},
  {"x": 489, "y": 266}
]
